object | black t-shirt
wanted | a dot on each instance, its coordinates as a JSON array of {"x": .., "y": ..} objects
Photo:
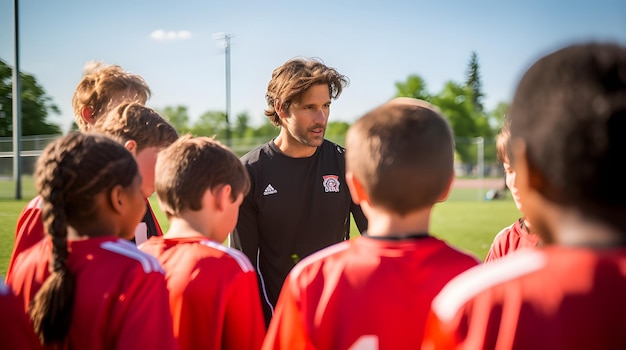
[{"x": 296, "y": 206}]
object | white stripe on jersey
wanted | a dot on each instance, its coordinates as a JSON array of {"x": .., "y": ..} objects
[
  {"x": 319, "y": 255},
  {"x": 241, "y": 259},
  {"x": 36, "y": 202},
  {"x": 128, "y": 249},
  {"x": 479, "y": 278},
  {"x": 263, "y": 289}
]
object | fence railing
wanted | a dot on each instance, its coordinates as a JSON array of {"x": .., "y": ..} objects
[{"x": 481, "y": 150}]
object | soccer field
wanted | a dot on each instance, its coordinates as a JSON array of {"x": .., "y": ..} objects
[{"x": 465, "y": 220}]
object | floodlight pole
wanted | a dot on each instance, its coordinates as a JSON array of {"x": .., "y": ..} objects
[
  {"x": 226, "y": 37},
  {"x": 17, "y": 111}
]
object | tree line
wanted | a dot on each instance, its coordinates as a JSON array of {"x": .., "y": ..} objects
[{"x": 461, "y": 103}]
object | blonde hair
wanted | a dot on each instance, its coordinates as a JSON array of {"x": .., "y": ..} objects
[{"x": 101, "y": 85}]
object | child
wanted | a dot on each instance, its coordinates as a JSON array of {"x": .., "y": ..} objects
[
  {"x": 101, "y": 88},
  {"x": 103, "y": 293},
  {"x": 16, "y": 330},
  {"x": 518, "y": 234},
  {"x": 375, "y": 291},
  {"x": 144, "y": 133},
  {"x": 568, "y": 141},
  {"x": 214, "y": 297}
]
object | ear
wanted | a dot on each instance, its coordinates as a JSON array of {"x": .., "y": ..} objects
[
  {"x": 357, "y": 192},
  {"x": 87, "y": 114},
  {"x": 278, "y": 107},
  {"x": 116, "y": 199},
  {"x": 446, "y": 192},
  {"x": 525, "y": 177},
  {"x": 222, "y": 197},
  {"x": 131, "y": 146}
]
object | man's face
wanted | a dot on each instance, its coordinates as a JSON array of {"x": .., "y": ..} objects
[{"x": 307, "y": 118}]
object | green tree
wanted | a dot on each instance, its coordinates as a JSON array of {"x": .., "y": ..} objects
[
  {"x": 455, "y": 102},
  {"x": 36, "y": 105},
  {"x": 414, "y": 87},
  {"x": 473, "y": 81},
  {"x": 212, "y": 123},
  {"x": 242, "y": 127},
  {"x": 336, "y": 131},
  {"x": 496, "y": 116},
  {"x": 267, "y": 130},
  {"x": 178, "y": 117}
]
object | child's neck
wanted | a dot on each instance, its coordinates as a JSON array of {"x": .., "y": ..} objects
[
  {"x": 386, "y": 224},
  {"x": 184, "y": 227}
]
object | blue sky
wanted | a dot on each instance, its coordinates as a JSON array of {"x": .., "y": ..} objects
[{"x": 374, "y": 43}]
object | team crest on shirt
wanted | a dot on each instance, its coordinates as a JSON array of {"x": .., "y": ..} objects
[{"x": 331, "y": 183}]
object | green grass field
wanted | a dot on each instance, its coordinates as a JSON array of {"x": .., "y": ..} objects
[{"x": 464, "y": 220}]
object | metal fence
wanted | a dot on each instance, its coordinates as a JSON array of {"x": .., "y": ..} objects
[{"x": 482, "y": 150}]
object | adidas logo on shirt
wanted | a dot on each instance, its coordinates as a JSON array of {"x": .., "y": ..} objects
[{"x": 269, "y": 190}]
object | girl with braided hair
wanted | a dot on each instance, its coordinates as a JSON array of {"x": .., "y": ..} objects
[
  {"x": 91, "y": 194},
  {"x": 143, "y": 132},
  {"x": 101, "y": 89}
]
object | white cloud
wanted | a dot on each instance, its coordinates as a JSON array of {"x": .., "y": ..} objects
[{"x": 170, "y": 35}]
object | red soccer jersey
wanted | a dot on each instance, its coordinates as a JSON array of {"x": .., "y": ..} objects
[
  {"x": 214, "y": 296},
  {"x": 511, "y": 238},
  {"x": 16, "y": 331},
  {"x": 549, "y": 298},
  {"x": 121, "y": 299},
  {"x": 29, "y": 230},
  {"x": 31, "y": 271},
  {"x": 363, "y": 292}
]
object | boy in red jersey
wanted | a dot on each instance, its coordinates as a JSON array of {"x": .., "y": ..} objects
[
  {"x": 16, "y": 331},
  {"x": 103, "y": 293},
  {"x": 568, "y": 140},
  {"x": 101, "y": 88},
  {"x": 214, "y": 297},
  {"x": 516, "y": 235},
  {"x": 144, "y": 133},
  {"x": 376, "y": 290}
]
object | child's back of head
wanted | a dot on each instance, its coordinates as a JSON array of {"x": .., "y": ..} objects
[
  {"x": 569, "y": 110},
  {"x": 192, "y": 165},
  {"x": 133, "y": 121},
  {"x": 403, "y": 154},
  {"x": 101, "y": 88}
]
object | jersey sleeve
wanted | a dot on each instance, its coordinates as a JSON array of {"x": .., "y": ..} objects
[
  {"x": 16, "y": 330},
  {"x": 244, "y": 323},
  {"x": 438, "y": 334},
  {"x": 28, "y": 231},
  {"x": 499, "y": 246},
  {"x": 31, "y": 271},
  {"x": 286, "y": 329}
]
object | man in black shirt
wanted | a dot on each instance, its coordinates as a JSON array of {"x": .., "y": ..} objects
[{"x": 299, "y": 202}]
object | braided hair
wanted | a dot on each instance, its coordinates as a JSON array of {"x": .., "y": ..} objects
[{"x": 70, "y": 172}]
